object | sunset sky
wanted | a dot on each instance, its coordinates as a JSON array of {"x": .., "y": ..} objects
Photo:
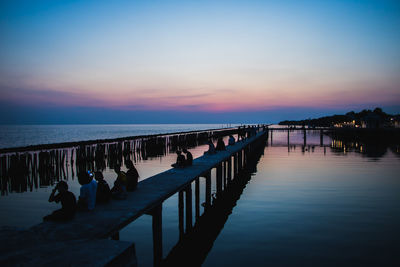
[{"x": 196, "y": 61}]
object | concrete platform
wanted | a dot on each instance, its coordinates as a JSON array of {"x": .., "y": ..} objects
[
  {"x": 108, "y": 219},
  {"x": 36, "y": 252}
]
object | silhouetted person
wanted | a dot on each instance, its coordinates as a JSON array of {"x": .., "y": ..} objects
[
  {"x": 132, "y": 176},
  {"x": 189, "y": 157},
  {"x": 119, "y": 189},
  {"x": 87, "y": 196},
  {"x": 211, "y": 148},
  {"x": 242, "y": 133},
  {"x": 103, "y": 194},
  {"x": 180, "y": 160},
  {"x": 253, "y": 131},
  {"x": 220, "y": 145},
  {"x": 68, "y": 203},
  {"x": 248, "y": 131},
  {"x": 231, "y": 141}
]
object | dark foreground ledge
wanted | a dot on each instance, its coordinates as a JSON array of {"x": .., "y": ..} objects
[{"x": 81, "y": 252}]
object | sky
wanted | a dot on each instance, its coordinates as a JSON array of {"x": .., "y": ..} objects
[{"x": 196, "y": 61}]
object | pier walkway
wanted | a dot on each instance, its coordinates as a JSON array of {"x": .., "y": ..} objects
[
  {"x": 299, "y": 129},
  {"x": 48, "y": 243}
]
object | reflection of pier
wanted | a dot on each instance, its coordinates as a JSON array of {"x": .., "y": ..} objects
[
  {"x": 194, "y": 245},
  {"x": 370, "y": 142},
  {"x": 321, "y": 131},
  {"x": 107, "y": 220},
  {"x": 299, "y": 129}
]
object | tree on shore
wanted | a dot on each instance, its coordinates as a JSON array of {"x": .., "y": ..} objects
[{"x": 351, "y": 116}]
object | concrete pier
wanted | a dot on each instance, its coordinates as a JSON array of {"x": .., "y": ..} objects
[
  {"x": 194, "y": 247},
  {"x": 107, "y": 220},
  {"x": 21, "y": 248}
]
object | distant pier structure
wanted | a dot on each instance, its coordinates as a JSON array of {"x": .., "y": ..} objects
[
  {"x": 93, "y": 237},
  {"x": 321, "y": 130}
]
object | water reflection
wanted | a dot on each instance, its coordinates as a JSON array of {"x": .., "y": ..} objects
[
  {"x": 372, "y": 150},
  {"x": 25, "y": 171},
  {"x": 373, "y": 145},
  {"x": 193, "y": 248}
]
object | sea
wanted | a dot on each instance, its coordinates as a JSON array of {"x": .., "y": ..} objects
[
  {"x": 27, "y": 135},
  {"x": 321, "y": 203}
]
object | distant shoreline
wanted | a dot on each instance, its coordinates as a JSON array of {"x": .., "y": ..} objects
[{"x": 363, "y": 119}]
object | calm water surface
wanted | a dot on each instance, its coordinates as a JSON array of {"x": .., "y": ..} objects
[
  {"x": 315, "y": 209},
  {"x": 302, "y": 207},
  {"x": 312, "y": 206},
  {"x": 26, "y": 135}
]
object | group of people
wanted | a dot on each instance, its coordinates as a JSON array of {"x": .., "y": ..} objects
[
  {"x": 97, "y": 190},
  {"x": 181, "y": 160},
  {"x": 92, "y": 192},
  {"x": 249, "y": 131},
  {"x": 220, "y": 145}
]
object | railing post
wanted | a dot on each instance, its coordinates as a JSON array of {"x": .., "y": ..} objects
[
  {"x": 157, "y": 235},
  {"x": 225, "y": 172},
  {"x": 229, "y": 169},
  {"x": 197, "y": 198},
  {"x": 240, "y": 160},
  {"x": 208, "y": 189},
  {"x": 180, "y": 208},
  {"x": 271, "y": 137},
  {"x": 188, "y": 208},
  {"x": 219, "y": 178},
  {"x": 235, "y": 164},
  {"x": 245, "y": 155},
  {"x": 321, "y": 138}
]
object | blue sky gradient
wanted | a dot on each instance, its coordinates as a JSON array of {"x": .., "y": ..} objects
[{"x": 199, "y": 59}]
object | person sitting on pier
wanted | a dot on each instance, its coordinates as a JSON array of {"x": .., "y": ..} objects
[
  {"x": 253, "y": 131},
  {"x": 68, "y": 203},
  {"x": 87, "y": 197},
  {"x": 103, "y": 194},
  {"x": 211, "y": 148},
  {"x": 220, "y": 145},
  {"x": 119, "y": 189},
  {"x": 132, "y": 176},
  {"x": 180, "y": 160},
  {"x": 189, "y": 157},
  {"x": 231, "y": 141},
  {"x": 248, "y": 131},
  {"x": 241, "y": 133}
]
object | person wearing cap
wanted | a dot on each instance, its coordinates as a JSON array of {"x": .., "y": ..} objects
[
  {"x": 87, "y": 196},
  {"x": 68, "y": 203}
]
